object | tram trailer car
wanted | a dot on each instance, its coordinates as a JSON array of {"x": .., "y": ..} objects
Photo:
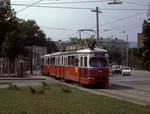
[{"x": 86, "y": 66}]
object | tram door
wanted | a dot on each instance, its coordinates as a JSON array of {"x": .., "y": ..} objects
[
  {"x": 62, "y": 68},
  {"x": 83, "y": 68}
]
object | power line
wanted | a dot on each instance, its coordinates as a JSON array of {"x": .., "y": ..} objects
[
  {"x": 121, "y": 19},
  {"x": 123, "y": 9},
  {"x": 128, "y": 29},
  {"x": 74, "y": 2},
  {"x": 115, "y": 28},
  {"x": 28, "y": 6},
  {"x": 55, "y": 7},
  {"x": 134, "y": 3},
  {"x": 120, "y": 26},
  {"x": 79, "y": 2},
  {"x": 76, "y": 8},
  {"x": 56, "y": 28}
]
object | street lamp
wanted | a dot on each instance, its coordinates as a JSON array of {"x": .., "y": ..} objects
[{"x": 115, "y": 2}]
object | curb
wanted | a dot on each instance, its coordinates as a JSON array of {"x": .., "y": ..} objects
[{"x": 22, "y": 78}]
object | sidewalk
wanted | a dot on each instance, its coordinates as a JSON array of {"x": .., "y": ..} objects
[
  {"x": 141, "y": 71},
  {"x": 27, "y": 76}
]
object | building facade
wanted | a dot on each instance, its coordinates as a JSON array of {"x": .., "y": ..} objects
[
  {"x": 141, "y": 36},
  {"x": 140, "y": 40}
]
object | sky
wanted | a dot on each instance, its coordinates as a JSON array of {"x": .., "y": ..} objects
[{"x": 61, "y": 20}]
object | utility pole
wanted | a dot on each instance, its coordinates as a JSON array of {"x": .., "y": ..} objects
[
  {"x": 97, "y": 20},
  {"x": 127, "y": 49}
]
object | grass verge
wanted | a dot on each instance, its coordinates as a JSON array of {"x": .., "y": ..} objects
[{"x": 56, "y": 101}]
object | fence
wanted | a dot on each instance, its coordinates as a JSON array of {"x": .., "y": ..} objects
[{"x": 9, "y": 68}]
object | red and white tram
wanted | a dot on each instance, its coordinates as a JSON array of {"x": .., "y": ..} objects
[{"x": 88, "y": 67}]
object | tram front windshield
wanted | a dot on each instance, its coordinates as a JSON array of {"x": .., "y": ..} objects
[{"x": 98, "y": 62}]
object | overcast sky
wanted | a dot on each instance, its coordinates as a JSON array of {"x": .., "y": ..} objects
[{"x": 60, "y": 22}]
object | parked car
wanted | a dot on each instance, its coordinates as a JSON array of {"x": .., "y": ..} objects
[
  {"x": 126, "y": 71},
  {"x": 116, "y": 69}
]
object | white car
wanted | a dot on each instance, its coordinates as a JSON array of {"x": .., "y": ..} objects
[{"x": 126, "y": 71}]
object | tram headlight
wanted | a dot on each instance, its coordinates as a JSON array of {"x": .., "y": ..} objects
[{"x": 91, "y": 78}]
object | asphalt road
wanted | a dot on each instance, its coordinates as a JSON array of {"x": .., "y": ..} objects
[
  {"x": 134, "y": 88},
  {"x": 137, "y": 78}
]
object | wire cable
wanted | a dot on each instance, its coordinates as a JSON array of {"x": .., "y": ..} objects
[
  {"x": 80, "y": 2},
  {"x": 28, "y": 6},
  {"x": 75, "y": 8},
  {"x": 54, "y": 7},
  {"x": 135, "y": 27},
  {"x": 121, "y": 19},
  {"x": 76, "y": 2},
  {"x": 134, "y": 3}
]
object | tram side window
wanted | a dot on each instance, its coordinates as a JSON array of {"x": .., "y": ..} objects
[
  {"x": 68, "y": 60},
  {"x": 85, "y": 61},
  {"x": 71, "y": 60},
  {"x": 76, "y": 61},
  {"x": 81, "y": 61},
  {"x": 48, "y": 61},
  {"x": 44, "y": 61},
  {"x": 53, "y": 61},
  {"x": 62, "y": 61},
  {"x": 58, "y": 61}
]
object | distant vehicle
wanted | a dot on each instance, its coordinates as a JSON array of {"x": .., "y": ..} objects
[
  {"x": 116, "y": 69},
  {"x": 126, "y": 71}
]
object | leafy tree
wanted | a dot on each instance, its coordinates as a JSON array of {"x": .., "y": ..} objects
[
  {"x": 16, "y": 34},
  {"x": 12, "y": 45},
  {"x": 114, "y": 54},
  {"x": 146, "y": 48},
  {"x": 89, "y": 42},
  {"x": 32, "y": 33},
  {"x": 51, "y": 46},
  {"x": 8, "y": 22}
]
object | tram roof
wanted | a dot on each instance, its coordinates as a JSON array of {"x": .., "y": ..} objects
[
  {"x": 91, "y": 51},
  {"x": 83, "y": 51}
]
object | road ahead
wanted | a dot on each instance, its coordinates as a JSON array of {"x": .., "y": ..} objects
[
  {"x": 134, "y": 88},
  {"x": 137, "y": 79}
]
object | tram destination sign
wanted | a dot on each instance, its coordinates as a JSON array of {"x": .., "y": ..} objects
[{"x": 99, "y": 54}]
